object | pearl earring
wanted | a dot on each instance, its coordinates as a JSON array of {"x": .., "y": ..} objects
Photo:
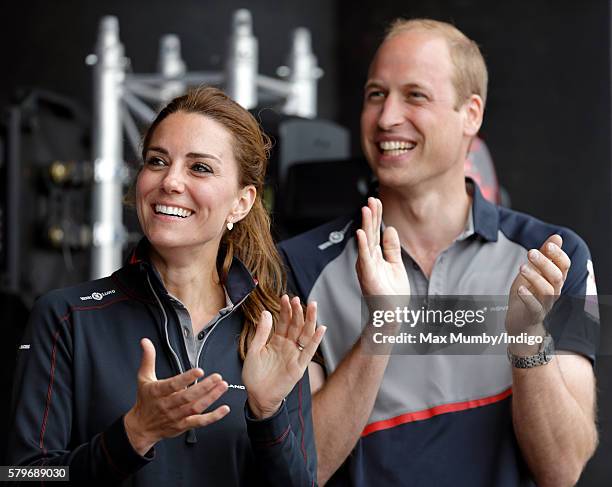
[{"x": 230, "y": 225}]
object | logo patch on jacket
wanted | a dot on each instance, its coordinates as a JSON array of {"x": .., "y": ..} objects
[{"x": 97, "y": 296}]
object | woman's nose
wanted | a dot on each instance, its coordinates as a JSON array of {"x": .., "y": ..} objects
[{"x": 173, "y": 182}]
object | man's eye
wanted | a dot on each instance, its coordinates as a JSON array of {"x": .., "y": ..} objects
[
  {"x": 374, "y": 94},
  {"x": 417, "y": 94},
  {"x": 200, "y": 167}
]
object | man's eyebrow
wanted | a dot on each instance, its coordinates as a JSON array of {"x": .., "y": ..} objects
[
  {"x": 190, "y": 155},
  {"x": 378, "y": 84},
  {"x": 372, "y": 84},
  {"x": 414, "y": 84}
]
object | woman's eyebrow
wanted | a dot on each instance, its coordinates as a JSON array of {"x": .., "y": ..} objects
[
  {"x": 190, "y": 155},
  {"x": 202, "y": 155},
  {"x": 157, "y": 149}
]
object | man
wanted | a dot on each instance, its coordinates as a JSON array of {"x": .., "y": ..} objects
[{"x": 437, "y": 420}]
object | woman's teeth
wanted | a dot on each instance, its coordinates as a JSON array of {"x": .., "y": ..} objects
[{"x": 172, "y": 210}]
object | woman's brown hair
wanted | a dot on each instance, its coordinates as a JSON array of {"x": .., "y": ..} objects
[{"x": 250, "y": 240}]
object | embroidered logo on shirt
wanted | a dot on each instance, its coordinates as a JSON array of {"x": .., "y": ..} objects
[
  {"x": 236, "y": 386},
  {"x": 335, "y": 237},
  {"x": 97, "y": 296}
]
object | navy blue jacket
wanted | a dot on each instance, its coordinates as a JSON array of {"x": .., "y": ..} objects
[{"x": 76, "y": 378}]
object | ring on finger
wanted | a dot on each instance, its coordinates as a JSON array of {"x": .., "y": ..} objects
[{"x": 300, "y": 345}]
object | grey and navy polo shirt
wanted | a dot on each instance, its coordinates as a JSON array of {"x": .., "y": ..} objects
[{"x": 439, "y": 420}]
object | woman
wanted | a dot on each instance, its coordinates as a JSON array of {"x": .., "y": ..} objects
[{"x": 200, "y": 292}]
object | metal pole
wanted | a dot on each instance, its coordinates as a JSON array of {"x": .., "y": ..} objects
[
  {"x": 192, "y": 78},
  {"x": 242, "y": 62},
  {"x": 304, "y": 72},
  {"x": 279, "y": 87},
  {"x": 139, "y": 107},
  {"x": 171, "y": 65},
  {"x": 131, "y": 130},
  {"x": 109, "y": 74}
]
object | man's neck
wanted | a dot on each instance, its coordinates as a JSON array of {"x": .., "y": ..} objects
[{"x": 428, "y": 220}]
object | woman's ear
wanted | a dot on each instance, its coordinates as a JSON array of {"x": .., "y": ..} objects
[{"x": 244, "y": 203}]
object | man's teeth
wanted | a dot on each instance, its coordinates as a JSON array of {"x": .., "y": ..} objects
[
  {"x": 172, "y": 210},
  {"x": 396, "y": 147}
]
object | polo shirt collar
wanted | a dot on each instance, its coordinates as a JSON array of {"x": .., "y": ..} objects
[
  {"x": 485, "y": 214},
  {"x": 483, "y": 219},
  {"x": 468, "y": 230}
]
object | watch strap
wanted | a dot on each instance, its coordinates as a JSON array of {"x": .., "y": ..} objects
[{"x": 544, "y": 356}]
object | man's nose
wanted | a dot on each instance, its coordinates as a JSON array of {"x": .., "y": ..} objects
[{"x": 392, "y": 113}]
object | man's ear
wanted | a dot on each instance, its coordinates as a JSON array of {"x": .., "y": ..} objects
[
  {"x": 474, "y": 111},
  {"x": 246, "y": 199}
]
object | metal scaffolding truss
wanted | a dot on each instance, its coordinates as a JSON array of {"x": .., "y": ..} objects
[{"x": 121, "y": 98}]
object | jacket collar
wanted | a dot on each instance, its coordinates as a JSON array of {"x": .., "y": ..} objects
[{"x": 240, "y": 283}]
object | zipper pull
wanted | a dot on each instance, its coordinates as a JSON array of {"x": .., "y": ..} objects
[{"x": 190, "y": 437}]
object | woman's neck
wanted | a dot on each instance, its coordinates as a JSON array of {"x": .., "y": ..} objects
[{"x": 195, "y": 282}]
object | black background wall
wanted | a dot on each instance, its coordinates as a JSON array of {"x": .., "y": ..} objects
[{"x": 548, "y": 115}]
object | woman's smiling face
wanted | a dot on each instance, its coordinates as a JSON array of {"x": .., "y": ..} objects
[{"x": 189, "y": 185}]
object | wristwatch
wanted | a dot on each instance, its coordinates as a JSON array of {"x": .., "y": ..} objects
[{"x": 544, "y": 355}]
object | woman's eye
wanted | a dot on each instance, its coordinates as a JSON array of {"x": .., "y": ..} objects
[
  {"x": 200, "y": 167},
  {"x": 155, "y": 161}
]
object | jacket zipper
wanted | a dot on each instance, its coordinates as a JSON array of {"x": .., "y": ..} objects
[
  {"x": 215, "y": 325},
  {"x": 190, "y": 435},
  {"x": 178, "y": 362}
]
